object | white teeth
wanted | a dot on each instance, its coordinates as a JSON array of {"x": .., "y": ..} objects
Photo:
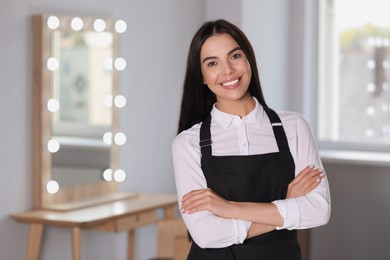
[{"x": 230, "y": 83}]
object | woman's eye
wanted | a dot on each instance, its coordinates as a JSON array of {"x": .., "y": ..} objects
[
  {"x": 212, "y": 63},
  {"x": 236, "y": 56}
]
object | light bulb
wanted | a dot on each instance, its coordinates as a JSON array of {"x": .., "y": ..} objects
[
  {"x": 120, "y": 26},
  {"x": 99, "y": 25}
]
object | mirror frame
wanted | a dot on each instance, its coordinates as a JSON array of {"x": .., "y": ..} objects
[{"x": 67, "y": 198}]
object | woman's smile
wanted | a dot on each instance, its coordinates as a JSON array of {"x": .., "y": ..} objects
[{"x": 231, "y": 83}]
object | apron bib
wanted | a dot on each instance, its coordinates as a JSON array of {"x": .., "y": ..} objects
[{"x": 250, "y": 178}]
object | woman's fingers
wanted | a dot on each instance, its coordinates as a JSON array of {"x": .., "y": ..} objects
[
  {"x": 197, "y": 200},
  {"x": 205, "y": 199},
  {"x": 307, "y": 180}
]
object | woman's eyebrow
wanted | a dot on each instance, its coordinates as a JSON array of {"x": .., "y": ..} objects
[
  {"x": 215, "y": 57},
  {"x": 235, "y": 49},
  {"x": 209, "y": 58}
]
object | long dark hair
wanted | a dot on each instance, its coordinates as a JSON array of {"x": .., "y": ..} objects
[{"x": 197, "y": 99}]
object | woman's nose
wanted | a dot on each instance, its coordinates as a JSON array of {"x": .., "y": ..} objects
[{"x": 228, "y": 68}]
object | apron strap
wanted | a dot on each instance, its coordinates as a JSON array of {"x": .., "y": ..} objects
[
  {"x": 278, "y": 129},
  {"x": 205, "y": 137}
]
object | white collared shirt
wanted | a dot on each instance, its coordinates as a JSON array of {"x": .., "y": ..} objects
[{"x": 249, "y": 135}]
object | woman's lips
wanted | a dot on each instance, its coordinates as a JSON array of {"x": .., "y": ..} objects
[{"x": 231, "y": 83}]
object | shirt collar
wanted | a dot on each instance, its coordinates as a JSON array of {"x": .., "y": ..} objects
[{"x": 225, "y": 119}]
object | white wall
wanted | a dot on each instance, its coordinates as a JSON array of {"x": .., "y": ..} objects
[{"x": 266, "y": 26}]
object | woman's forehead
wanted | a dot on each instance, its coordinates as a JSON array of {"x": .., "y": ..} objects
[{"x": 218, "y": 44}]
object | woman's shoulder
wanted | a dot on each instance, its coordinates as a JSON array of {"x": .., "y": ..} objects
[
  {"x": 293, "y": 119},
  {"x": 189, "y": 137}
]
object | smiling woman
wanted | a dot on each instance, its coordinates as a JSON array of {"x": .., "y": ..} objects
[{"x": 247, "y": 177}]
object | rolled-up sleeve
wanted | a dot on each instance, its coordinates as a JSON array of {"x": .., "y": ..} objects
[
  {"x": 206, "y": 229},
  {"x": 313, "y": 209}
]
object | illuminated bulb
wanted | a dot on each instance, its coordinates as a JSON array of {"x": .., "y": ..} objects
[
  {"x": 385, "y": 86},
  {"x": 53, "y": 105},
  {"x": 53, "y": 22},
  {"x": 99, "y": 25},
  {"x": 53, "y": 64},
  {"x": 371, "y": 64},
  {"x": 386, "y": 64},
  {"x": 107, "y": 138},
  {"x": 119, "y": 175},
  {"x": 386, "y": 42},
  {"x": 378, "y": 42},
  {"x": 371, "y": 41},
  {"x": 120, "y": 138},
  {"x": 107, "y": 175},
  {"x": 52, "y": 187},
  {"x": 108, "y": 64},
  {"x": 370, "y": 110},
  {"x": 385, "y": 107},
  {"x": 371, "y": 88},
  {"x": 120, "y": 26},
  {"x": 77, "y": 24},
  {"x": 369, "y": 132},
  {"x": 107, "y": 101},
  {"x": 53, "y": 146},
  {"x": 120, "y": 64},
  {"x": 385, "y": 129},
  {"x": 120, "y": 101}
]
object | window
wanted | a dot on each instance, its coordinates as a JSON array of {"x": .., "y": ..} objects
[{"x": 354, "y": 73}]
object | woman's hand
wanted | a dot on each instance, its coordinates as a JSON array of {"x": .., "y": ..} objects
[
  {"x": 205, "y": 199},
  {"x": 307, "y": 180}
]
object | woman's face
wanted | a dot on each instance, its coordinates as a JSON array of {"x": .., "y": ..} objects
[{"x": 225, "y": 68}]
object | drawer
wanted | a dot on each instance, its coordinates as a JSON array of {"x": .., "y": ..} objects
[{"x": 129, "y": 222}]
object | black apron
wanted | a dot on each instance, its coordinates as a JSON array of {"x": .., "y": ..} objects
[{"x": 250, "y": 178}]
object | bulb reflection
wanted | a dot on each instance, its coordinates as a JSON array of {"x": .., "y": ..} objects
[
  {"x": 107, "y": 138},
  {"x": 107, "y": 175}
]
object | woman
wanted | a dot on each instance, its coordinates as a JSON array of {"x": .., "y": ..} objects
[{"x": 246, "y": 177}]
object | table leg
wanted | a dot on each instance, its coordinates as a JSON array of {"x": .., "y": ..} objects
[
  {"x": 130, "y": 244},
  {"x": 34, "y": 241},
  {"x": 76, "y": 242}
]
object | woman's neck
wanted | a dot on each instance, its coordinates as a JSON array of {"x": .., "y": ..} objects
[{"x": 240, "y": 107}]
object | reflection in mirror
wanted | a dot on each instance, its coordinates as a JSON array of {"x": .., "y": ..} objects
[{"x": 75, "y": 80}]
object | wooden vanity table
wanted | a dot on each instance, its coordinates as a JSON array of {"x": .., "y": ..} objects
[{"x": 118, "y": 216}]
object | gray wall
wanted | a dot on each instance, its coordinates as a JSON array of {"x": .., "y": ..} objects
[{"x": 155, "y": 47}]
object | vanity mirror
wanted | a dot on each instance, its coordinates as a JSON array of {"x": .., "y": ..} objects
[{"x": 75, "y": 111}]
